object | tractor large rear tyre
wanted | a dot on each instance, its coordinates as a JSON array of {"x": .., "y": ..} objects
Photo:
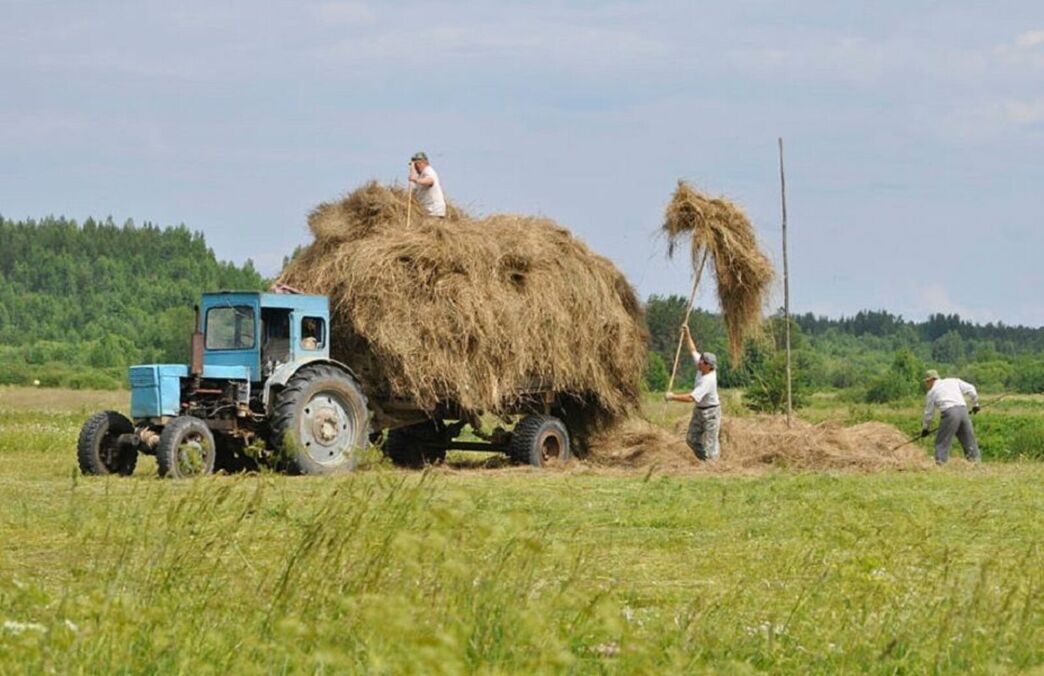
[
  {"x": 416, "y": 445},
  {"x": 320, "y": 423},
  {"x": 97, "y": 450},
  {"x": 540, "y": 441},
  {"x": 186, "y": 449}
]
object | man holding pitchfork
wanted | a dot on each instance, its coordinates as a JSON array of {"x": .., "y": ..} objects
[
  {"x": 428, "y": 189},
  {"x": 706, "y": 413}
]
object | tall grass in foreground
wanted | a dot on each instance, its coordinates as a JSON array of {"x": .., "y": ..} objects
[
  {"x": 439, "y": 574},
  {"x": 513, "y": 570}
]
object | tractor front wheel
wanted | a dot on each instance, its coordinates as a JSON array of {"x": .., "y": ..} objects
[
  {"x": 320, "y": 422},
  {"x": 98, "y": 450},
  {"x": 186, "y": 449}
]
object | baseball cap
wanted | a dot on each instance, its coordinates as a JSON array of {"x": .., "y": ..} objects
[
  {"x": 710, "y": 359},
  {"x": 419, "y": 156},
  {"x": 931, "y": 374}
]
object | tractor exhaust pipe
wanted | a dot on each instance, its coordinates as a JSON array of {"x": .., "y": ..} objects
[{"x": 196, "y": 370}]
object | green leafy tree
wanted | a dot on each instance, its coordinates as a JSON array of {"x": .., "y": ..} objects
[
  {"x": 902, "y": 380},
  {"x": 103, "y": 295},
  {"x": 767, "y": 392},
  {"x": 1028, "y": 377},
  {"x": 656, "y": 375},
  {"x": 948, "y": 348}
]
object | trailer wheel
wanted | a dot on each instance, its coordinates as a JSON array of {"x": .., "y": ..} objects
[
  {"x": 320, "y": 422},
  {"x": 186, "y": 449},
  {"x": 416, "y": 445},
  {"x": 97, "y": 449},
  {"x": 540, "y": 440}
]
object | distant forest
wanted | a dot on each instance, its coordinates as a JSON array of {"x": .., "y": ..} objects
[{"x": 81, "y": 302}]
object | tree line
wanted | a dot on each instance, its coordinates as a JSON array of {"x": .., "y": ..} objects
[
  {"x": 874, "y": 356},
  {"x": 79, "y": 302}
]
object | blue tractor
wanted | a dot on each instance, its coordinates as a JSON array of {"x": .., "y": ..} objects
[{"x": 260, "y": 371}]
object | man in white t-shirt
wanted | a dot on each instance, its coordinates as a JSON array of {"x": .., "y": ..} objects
[
  {"x": 427, "y": 186},
  {"x": 706, "y": 413},
  {"x": 947, "y": 395}
]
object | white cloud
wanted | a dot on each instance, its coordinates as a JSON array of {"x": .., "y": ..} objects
[
  {"x": 935, "y": 298},
  {"x": 1030, "y": 39},
  {"x": 1026, "y": 51}
]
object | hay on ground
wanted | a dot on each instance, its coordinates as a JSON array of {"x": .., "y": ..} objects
[
  {"x": 743, "y": 272},
  {"x": 759, "y": 442},
  {"x": 464, "y": 314}
]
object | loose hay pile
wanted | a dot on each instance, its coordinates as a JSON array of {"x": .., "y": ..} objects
[
  {"x": 759, "y": 441},
  {"x": 743, "y": 272},
  {"x": 465, "y": 312}
]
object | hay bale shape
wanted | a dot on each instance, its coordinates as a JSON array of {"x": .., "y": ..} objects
[
  {"x": 757, "y": 443},
  {"x": 742, "y": 271},
  {"x": 465, "y": 313}
]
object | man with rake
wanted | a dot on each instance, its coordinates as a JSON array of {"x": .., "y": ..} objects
[
  {"x": 706, "y": 413},
  {"x": 429, "y": 190},
  {"x": 947, "y": 394}
]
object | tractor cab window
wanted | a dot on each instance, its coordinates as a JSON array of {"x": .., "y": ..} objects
[
  {"x": 276, "y": 331},
  {"x": 313, "y": 333},
  {"x": 230, "y": 328}
]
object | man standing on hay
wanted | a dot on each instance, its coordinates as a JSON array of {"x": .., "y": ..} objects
[
  {"x": 706, "y": 413},
  {"x": 947, "y": 394},
  {"x": 429, "y": 190}
]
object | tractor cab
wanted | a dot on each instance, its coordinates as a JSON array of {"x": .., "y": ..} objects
[{"x": 260, "y": 332}]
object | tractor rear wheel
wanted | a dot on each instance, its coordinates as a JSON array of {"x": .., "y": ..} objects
[
  {"x": 97, "y": 449},
  {"x": 540, "y": 441},
  {"x": 186, "y": 449},
  {"x": 417, "y": 445},
  {"x": 320, "y": 422}
]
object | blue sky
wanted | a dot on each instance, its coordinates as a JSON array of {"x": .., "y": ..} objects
[{"x": 914, "y": 130}]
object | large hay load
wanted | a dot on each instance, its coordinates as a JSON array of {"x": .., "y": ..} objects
[{"x": 450, "y": 318}]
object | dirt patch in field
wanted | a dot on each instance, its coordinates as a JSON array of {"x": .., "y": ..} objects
[{"x": 759, "y": 442}]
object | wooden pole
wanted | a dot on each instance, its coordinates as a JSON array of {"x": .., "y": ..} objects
[
  {"x": 786, "y": 282},
  {"x": 685, "y": 322},
  {"x": 409, "y": 202}
]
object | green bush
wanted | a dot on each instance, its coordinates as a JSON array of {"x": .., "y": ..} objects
[
  {"x": 886, "y": 389},
  {"x": 902, "y": 380},
  {"x": 988, "y": 375},
  {"x": 53, "y": 374},
  {"x": 768, "y": 389},
  {"x": 46, "y": 351},
  {"x": 656, "y": 375},
  {"x": 15, "y": 374},
  {"x": 1029, "y": 377},
  {"x": 91, "y": 380}
]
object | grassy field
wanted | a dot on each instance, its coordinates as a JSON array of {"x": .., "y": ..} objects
[{"x": 514, "y": 570}]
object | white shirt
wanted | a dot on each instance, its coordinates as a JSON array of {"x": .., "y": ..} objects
[
  {"x": 706, "y": 391},
  {"x": 430, "y": 197},
  {"x": 947, "y": 393}
]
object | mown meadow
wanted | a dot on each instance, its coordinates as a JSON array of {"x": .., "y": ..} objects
[{"x": 510, "y": 570}]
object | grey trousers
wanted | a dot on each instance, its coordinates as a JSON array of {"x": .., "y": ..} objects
[
  {"x": 955, "y": 421},
  {"x": 703, "y": 432}
]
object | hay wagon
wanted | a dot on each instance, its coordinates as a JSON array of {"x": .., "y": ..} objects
[{"x": 262, "y": 388}]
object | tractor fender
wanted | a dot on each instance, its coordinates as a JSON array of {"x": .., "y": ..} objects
[{"x": 284, "y": 372}]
